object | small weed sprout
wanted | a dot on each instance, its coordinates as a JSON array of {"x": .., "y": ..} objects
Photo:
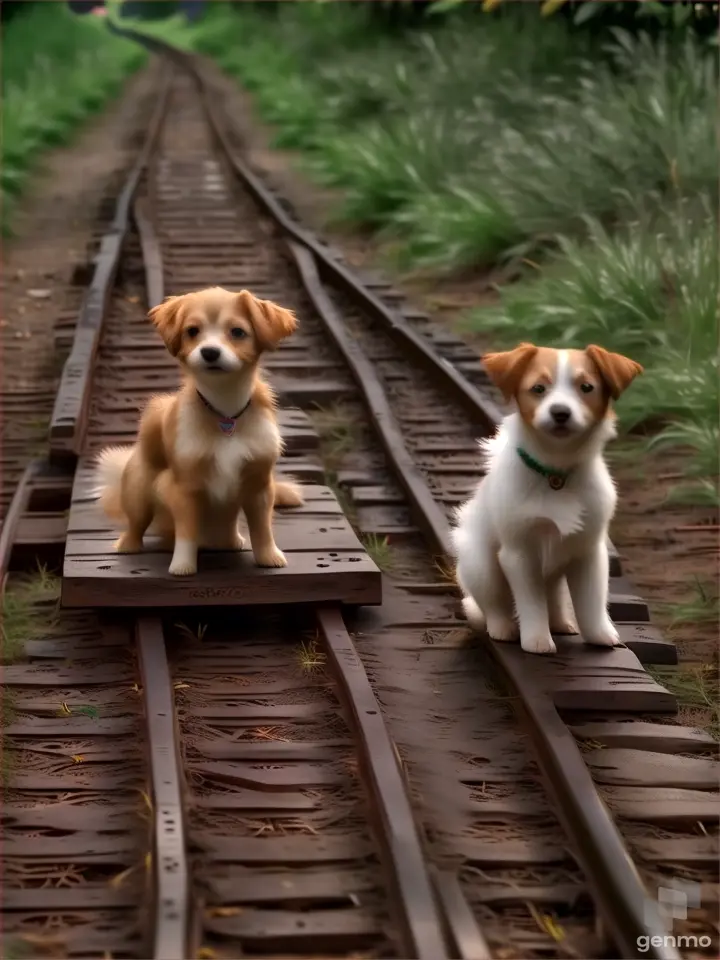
[
  {"x": 311, "y": 657},
  {"x": 379, "y": 551}
]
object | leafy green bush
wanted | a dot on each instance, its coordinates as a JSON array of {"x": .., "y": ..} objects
[
  {"x": 466, "y": 141},
  {"x": 57, "y": 68},
  {"x": 651, "y": 292}
]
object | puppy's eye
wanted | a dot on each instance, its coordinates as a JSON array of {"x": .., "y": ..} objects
[
  {"x": 539, "y": 389},
  {"x": 237, "y": 333},
  {"x": 587, "y": 387},
  {"x": 192, "y": 332}
]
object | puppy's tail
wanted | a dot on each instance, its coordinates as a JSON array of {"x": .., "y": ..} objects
[
  {"x": 109, "y": 468},
  {"x": 288, "y": 494}
]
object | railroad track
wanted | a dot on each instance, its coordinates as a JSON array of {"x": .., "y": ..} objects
[{"x": 317, "y": 780}]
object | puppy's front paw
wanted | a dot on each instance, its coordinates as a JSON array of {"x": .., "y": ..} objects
[
  {"x": 270, "y": 558},
  {"x": 128, "y": 543},
  {"x": 501, "y": 627},
  {"x": 606, "y": 636},
  {"x": 184, "y": 560},
  {"x": 537, "y": 643}
]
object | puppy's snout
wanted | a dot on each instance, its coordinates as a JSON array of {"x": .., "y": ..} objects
[
  {"x": 210, "y": 354},
  {"x": 560, "y": 413}
]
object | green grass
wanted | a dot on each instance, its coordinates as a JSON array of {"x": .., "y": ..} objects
[
  {"x": 650, "y": 291},
  {"x": 696, "y": 688},
  {"x": 483, "y": 136},
  {"x": 29, "y": 608},
  {"x": 336, "y": 428},
  {"x": 379, "y": 550},
  {"x": 588, "y": 158},
  {"x": 57, "y": 69},
  {"x": 702, "y": 606}
]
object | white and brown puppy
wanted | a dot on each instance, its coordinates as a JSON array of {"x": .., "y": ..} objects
[
  {"x": 538, "y": 522},
  {"x": 209, "y": 451}
]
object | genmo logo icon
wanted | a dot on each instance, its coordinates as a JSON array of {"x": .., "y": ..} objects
[{"x": 672, "y": 904}]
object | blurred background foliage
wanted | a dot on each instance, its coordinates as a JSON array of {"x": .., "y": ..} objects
[{"x": 56, "y": 70}]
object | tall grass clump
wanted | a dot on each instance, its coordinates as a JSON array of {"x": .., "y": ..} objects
[
  {"x": 57, "y": 69},
  {"x": 650, "y": 291},
  {"x": 483, "y": 137}
]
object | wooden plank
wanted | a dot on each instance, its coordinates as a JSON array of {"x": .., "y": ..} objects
[
  {"x": 223, "y": 579},
  {"x": 326, "y": 561},
  {"x": 623, "y": 767},
  {"x": 640, "y": 735},
  {"x": 662, "y": 803}
]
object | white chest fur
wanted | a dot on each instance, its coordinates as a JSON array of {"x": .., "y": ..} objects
[{"x": 256, "y": 437}]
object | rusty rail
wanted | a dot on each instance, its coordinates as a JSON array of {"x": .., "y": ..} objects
[
  {"x": 418, "y": 909},
  {"x": 170, "y": 866},
  {"x": 69, "y": 416}
]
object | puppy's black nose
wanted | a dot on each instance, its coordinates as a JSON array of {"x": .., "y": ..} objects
[
  {"x": 210, "y": 354},
  {"x": 559, "y": 413}
]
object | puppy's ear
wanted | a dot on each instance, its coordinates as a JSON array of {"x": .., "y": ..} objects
[
  {"x": 506, "y": 369},
  {"x": 166, "y": 317},
  {"x": 617, "y": 371},
  {"x": 270, "y": 322}
]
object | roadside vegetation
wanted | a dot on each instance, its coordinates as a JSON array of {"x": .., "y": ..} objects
[
  {"x": 583, "y": 162},
  {"x": 57, "y": 69}
]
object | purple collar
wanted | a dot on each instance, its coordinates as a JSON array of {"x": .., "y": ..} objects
[{"x": 226, "y": 424}]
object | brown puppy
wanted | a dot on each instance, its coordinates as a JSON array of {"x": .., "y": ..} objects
[{"x": 209, "y": 451}]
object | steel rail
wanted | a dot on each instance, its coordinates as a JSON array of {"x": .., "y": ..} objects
[
  {"x": 170, "y": 865},
  {"x": 69, "y": 416},
  {"x": 429, "y": 514},
  {"x": 414, "y": 894},
  {"x": 622, "y": 900},
  {"x": 170, "y": 868},
  {"x": 173, "y": 911},
  {"x": 18, "y": 505}
]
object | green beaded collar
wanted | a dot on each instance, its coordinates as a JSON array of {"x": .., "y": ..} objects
[{"x": 556, "y": 478}]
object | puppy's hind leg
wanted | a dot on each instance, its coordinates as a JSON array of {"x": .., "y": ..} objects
[
  {"x": 587, "y": 578},
  {"x": 258, "y": 498},
  {"x": 560, "y": 608},
  {"x": 473, "y": 614},
  {"x": 488, "y": 602},
  {"x": 136, "y": 497}
]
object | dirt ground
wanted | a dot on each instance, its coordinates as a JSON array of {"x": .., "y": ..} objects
[{"x": 669, "y": 552}]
